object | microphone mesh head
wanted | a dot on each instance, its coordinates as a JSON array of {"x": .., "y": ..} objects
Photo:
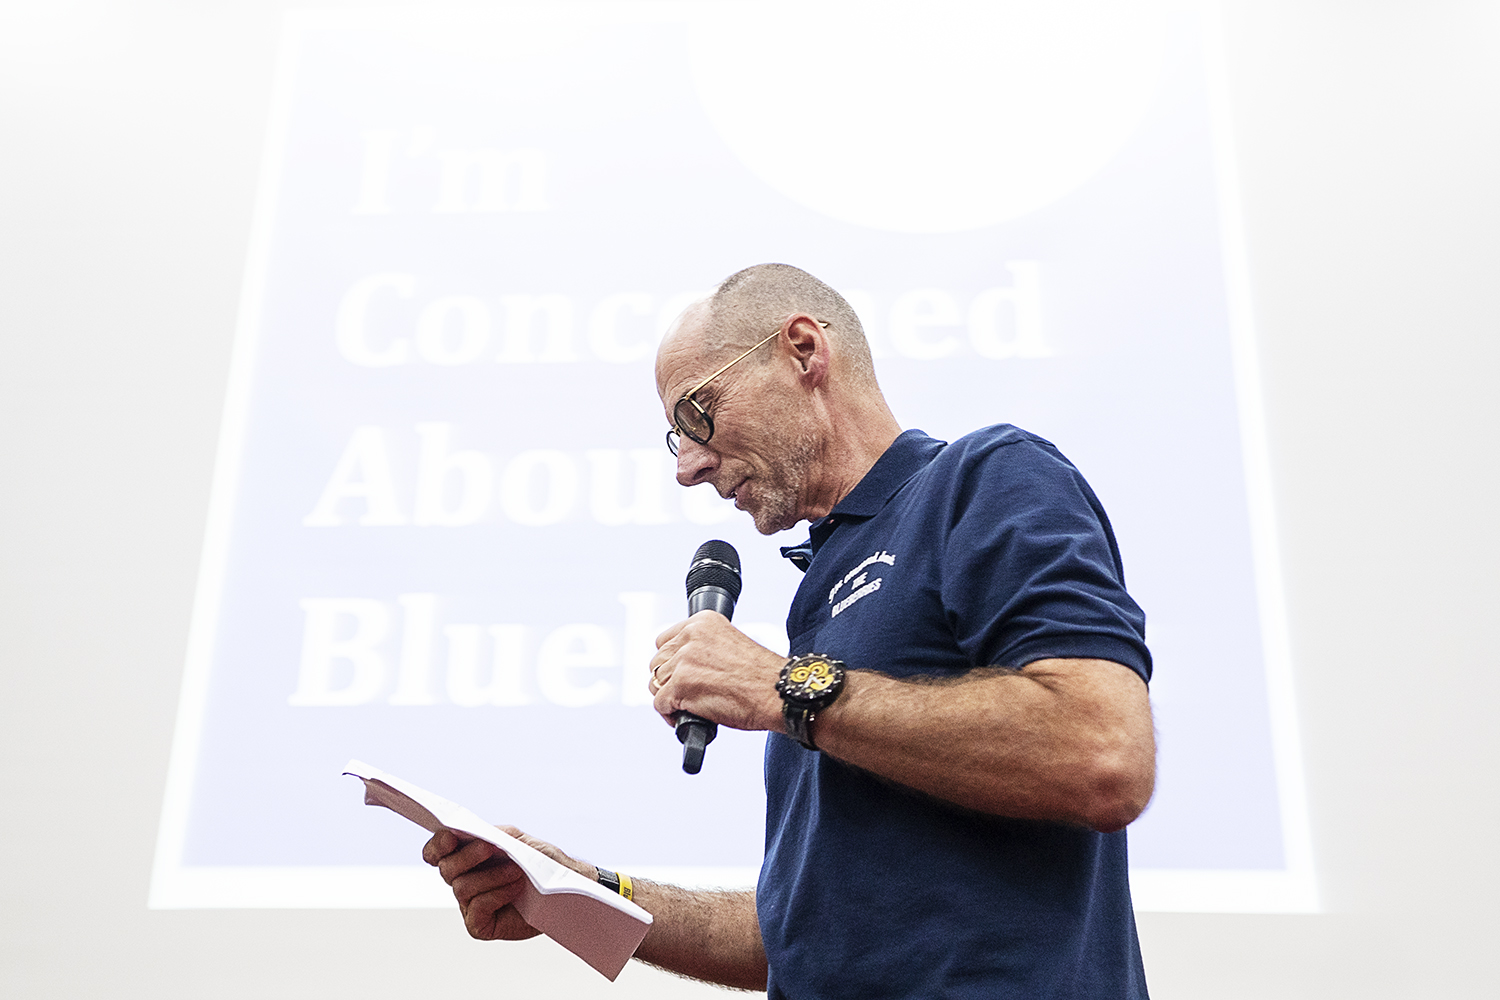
[{"x": 715, "y": 564}]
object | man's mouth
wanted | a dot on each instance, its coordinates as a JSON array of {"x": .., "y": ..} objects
[{"x": 734, "y": 493}]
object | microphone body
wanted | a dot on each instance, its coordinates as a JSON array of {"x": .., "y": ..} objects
[
  {"x": 713, "y": 584},
  {"x": 710, "y": 598}
]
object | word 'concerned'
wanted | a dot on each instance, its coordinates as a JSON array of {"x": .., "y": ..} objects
[{"x": 383, "y": 320}]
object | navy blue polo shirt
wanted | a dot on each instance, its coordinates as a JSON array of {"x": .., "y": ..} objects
[{"x": 991, "y": 550}]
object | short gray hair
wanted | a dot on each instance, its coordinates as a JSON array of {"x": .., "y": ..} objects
[{"x": 749, "y": 304}]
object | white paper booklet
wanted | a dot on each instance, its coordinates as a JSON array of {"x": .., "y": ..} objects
[{"x": 599, "y": 926}]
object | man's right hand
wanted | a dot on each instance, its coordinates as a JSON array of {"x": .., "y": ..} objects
[
  {"x": 704, "y": 934},
  {"x": 486, "y": 882}
]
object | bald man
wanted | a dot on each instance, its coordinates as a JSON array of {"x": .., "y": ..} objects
[{"x": 962, "y": 732}]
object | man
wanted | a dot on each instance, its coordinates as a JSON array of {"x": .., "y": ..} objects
[{"x": 949, "y": 819}]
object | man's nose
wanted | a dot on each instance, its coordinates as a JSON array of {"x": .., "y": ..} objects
[{"x": 695, "y": 462}]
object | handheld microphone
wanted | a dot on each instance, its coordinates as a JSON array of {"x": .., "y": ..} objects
[{"x": 713, "y": 584}]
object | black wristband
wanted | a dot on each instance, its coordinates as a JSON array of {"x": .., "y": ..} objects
[{"x": 618, "y": 883}]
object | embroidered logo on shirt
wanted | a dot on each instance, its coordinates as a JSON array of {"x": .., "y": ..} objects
[{"x": 861, "y": 586}]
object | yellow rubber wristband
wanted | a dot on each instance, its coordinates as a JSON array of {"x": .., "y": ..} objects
[{"x": 627, "y": 887}]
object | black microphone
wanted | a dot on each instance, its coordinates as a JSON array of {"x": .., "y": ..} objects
[{"x": 713, "y": 584}]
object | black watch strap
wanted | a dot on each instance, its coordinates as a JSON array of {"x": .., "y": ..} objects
[{"x": 799, "y": 724}]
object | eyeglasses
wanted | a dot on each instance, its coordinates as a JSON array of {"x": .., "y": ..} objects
[{"x": 690, "y": 419}]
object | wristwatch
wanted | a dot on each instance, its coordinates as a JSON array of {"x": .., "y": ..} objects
[{"x": 808, "y": 684}]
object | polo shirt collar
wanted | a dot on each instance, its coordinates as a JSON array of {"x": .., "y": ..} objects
[{"x": 906, "y": 456}]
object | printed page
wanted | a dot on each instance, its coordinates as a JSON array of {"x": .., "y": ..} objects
[{"x": 599, "y": 926}]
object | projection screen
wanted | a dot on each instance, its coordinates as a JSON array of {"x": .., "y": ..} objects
[{"x": 444, "y": 529}]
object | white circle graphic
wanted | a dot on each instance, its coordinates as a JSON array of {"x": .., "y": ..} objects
[{"x": 932, "y": 117}]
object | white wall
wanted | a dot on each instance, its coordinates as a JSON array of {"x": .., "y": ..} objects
[{"x": 130, "y": 137}]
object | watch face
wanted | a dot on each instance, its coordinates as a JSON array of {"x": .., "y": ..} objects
[{"x": 811, "y": 679}]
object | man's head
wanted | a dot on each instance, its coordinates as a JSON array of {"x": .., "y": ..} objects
[
  {"x": 760, "y": 297},
  {"x": 777, "y": 397}
]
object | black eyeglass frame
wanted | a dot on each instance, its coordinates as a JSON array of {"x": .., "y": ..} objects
[{"x": 679, "y": 427}]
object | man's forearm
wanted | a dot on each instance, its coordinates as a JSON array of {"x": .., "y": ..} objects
[
  {"x": 711, "y": 935},
  {"x": 1062, "y": 739},
  {"x": 1066, "y": 740}
]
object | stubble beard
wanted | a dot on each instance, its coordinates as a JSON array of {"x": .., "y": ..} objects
[{"x": 778, "y": 496}]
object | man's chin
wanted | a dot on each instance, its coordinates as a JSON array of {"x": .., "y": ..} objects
[
  {"x": 763, "y": 524},
  {"x": 772, "y": 508},
  {"x": 768, "y": 522}
]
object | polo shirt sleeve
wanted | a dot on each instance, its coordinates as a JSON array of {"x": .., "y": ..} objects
[{"x": 1031, "y": 570}]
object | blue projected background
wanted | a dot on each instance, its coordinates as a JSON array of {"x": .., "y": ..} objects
[{"x": 445, "y": 529}]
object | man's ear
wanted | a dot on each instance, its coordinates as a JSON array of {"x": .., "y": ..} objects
[{"x": 810, "y": 348}]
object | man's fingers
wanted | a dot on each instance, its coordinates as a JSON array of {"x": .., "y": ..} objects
[
  {"x": 490, "y": 915},
  {"x": 500, "y": 873},
  {"x": 485, "y": 882},
  {"x": 665, "y": 707},
  {"x": 668, "y": 633},
  {"x": 442, "y": 844},
  {"x": 466, "y": 858}
]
